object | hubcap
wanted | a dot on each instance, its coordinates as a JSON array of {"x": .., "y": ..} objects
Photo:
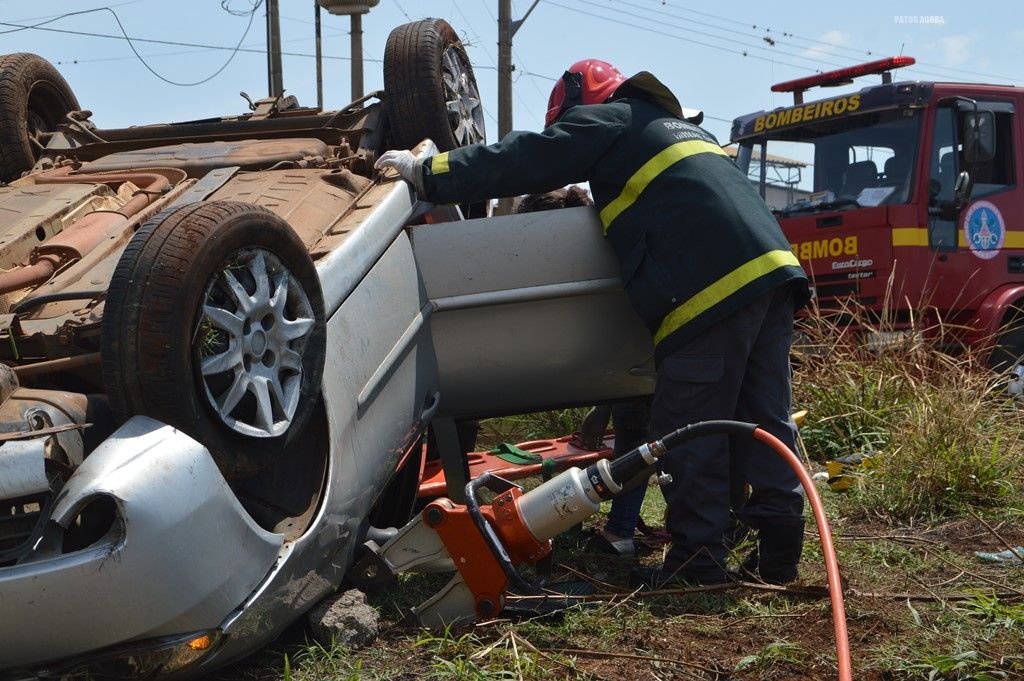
[
  {"x": 254, "y": 325},
  {"x": 465, "y": 113},
  {"x": 258, "y": 343}
]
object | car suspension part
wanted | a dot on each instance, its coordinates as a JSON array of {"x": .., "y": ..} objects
[{"x": 90, "y": 230}]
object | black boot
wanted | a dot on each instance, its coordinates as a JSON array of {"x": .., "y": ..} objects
[
  {"x": 779, "y": 544},
  {"x": 736, "y": 533}
]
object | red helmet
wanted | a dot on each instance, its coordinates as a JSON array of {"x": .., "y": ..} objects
[{"x": 590, "y": 81}]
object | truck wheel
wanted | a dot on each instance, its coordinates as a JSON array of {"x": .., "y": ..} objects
[
  {"x": 1008, "y": 355},
  {"x": 34, "y": 98},
  {"x": 214, "y": 323},
  {"x": 429, "y": 87}
]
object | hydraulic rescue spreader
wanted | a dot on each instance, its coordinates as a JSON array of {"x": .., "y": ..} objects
[{"x": 486, "y": 544}]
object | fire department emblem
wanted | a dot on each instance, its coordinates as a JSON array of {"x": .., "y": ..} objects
[{"x": 984, "y": 229}]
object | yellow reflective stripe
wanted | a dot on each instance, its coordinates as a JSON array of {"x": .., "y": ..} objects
[
  {"x": 910, "y": 236},
  {"x": 723, "y": 288},
  {"x": 439, "y": 164},
  {"x": 650, "y": 170},
  {"x": 918, "y": 236}
]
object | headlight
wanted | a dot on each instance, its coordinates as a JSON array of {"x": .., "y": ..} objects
[{"x": 139, "y": 659}]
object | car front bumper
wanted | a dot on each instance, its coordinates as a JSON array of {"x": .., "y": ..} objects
[{"x": 180, "y": 554}]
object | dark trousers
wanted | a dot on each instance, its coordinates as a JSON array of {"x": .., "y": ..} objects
[
  {"x": 631, "y": 420},
  {"x": 738, "y": 369}
]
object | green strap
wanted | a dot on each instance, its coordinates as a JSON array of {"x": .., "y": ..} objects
[
  {"x": 548, "y": 469},
  {"x": 512, "y": 454}
]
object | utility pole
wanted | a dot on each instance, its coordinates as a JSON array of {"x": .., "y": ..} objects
[
  {"x": 357, "y": 55},
  {"x": 507, "y": 29},
  {"x": 275, "y": 77},
  {"x": 504, "y": 68},
  {"x": 319, "y": 59}
]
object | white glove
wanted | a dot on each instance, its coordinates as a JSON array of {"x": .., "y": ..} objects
[{"x": 401, "y": 160}]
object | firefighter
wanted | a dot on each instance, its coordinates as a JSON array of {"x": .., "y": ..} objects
[{"x": 708, "y": 270}]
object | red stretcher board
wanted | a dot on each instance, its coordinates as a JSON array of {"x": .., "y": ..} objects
[{"x": 563, "y": 451}]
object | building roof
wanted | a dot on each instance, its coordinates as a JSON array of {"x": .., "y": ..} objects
[{"x": 773, "y": 160}]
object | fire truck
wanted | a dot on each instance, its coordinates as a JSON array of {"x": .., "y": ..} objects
[{"x": 913, "y": 209}]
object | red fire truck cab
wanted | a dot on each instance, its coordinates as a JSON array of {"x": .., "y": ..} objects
[{"x": 913, "y": 204}]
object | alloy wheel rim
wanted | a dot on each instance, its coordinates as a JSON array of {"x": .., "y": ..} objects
[
  {"x": 462, "y": 99},
  {"x": 255, "y": 322}
]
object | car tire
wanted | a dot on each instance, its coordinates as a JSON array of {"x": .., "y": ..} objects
[
  {"x": 214, "y": 324},
  {"x": 34, "y": 98},
  {"x": 430, "y": 92},
  {"x": 429, "y": 87}
]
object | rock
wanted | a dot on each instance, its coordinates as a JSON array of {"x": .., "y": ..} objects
[{"x": 346, "y": 619}]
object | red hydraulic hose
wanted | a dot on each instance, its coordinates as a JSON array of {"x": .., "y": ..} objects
[
  {"x": 661, "y": 447},
  {"x": 643, "y": 460},
  {"x": 827, "y": 549}
]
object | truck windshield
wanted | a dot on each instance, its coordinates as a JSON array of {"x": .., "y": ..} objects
[{"x": 857, "y": 160}]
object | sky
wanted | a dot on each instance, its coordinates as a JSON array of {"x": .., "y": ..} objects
[{"x": 721, "y": 57}]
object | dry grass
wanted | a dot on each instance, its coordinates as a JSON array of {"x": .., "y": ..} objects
[{"x": 944, "y": 433}]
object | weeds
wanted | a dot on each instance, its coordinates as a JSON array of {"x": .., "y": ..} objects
[
  {"x": 461, "y": 669},
  {"x": 463, "y": 657},
  {"x": 964, "y": 666},
  {"x": 995, "y": 612},
  {"x": 316, "y": 662},
  {"x": 535, "y": 426},
  {"x": 771, "y": 655},
  {"x": 945, "y": 434},
  {"x": 447, "y": 644}
]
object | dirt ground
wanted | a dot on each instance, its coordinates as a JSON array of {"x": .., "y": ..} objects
[{"x": 919, "y": 605}]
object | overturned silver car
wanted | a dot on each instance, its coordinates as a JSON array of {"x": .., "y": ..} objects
[{"x": 222, "y": 342}]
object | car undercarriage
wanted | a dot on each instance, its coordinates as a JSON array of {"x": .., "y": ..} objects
[{"x": 222, "y": 343}]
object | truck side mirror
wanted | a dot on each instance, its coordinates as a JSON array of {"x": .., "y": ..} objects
[
  {"x": 950, "y": 210},
  {"x": 979, "y": 136},
  {"x": 962, "y": 189}
]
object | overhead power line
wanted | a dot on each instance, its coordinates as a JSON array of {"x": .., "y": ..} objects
[
  {"x": 675, "y": 36},
  {"x": 253, "y": 6},
  {"x": 202, "y": 47},
  {"x": 174, "y": 43},
  {"x": 42, "y": 26},
  {"x": 25, "y": 20},
  {"x": 783, "y": 37},
  {"x": 761, "y": 46},
  {"x": 817, "y": 59},
  {"x": 402, "y": 10},
  {"x": 772, "y": 41}
]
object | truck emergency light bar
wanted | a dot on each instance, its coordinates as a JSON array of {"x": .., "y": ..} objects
[{"x": 843, "y": 76}]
